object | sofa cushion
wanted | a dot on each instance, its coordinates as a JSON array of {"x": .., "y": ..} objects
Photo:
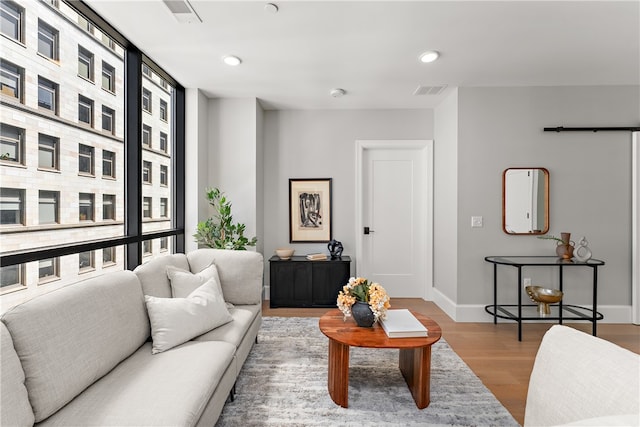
[
  {"x": 240, "y": 272},
  {"x": 176, "y": 320},
  {"x": 15, "y": 409},
  {"x": 577, "y": 376},
  {"x": 153, "y": 274},
  {"x": 70, "y": 337},
  {"x": 233, "y": 332},
  {"x": 166, "y": 389}
]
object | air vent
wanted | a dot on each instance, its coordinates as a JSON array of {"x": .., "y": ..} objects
[
  {"x": 429, "y": 90},
  {"x": 182, "y": 11}
]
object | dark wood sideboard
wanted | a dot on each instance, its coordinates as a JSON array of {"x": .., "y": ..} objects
[{"x": 298, "y": 282}]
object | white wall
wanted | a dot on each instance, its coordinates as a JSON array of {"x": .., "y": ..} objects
[
  {"x": 590, "y": 180},
  {"x": 321, "y": 144},
  {"x": 445, "y": 204}
]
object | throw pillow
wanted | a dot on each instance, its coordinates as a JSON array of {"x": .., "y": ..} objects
[
  {"x": 184, "y": 282},
  {"x": 177, "y": 320}
]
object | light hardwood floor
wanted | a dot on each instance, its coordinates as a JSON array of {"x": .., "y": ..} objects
[{"x": 493, "y": 352}]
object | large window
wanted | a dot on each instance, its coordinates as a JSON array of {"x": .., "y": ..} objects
[
  {"x": 48, "y": 152},
  {"x": 11, "y": 206},
  {"x": 85, "y": 63},
  {"x": 12, "y": 20},
  {"x": 48, "y": 207},
  {"x": 47, "y": 40},
  {"x": 11, "y": 144},
  {"x": 11, "y": 80},
  {"x": 71, "y": 160}
]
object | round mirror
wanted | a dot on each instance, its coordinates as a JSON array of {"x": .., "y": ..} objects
[{"x": 525, "y": 201}]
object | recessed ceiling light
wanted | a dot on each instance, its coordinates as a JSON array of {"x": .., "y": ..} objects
[
  {"x": 232, "y": 60},
  {"x": 429, "y": 56},
  {"x": 337, "y": 92}
]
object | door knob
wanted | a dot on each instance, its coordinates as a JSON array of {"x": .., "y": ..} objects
[{"x": 367, "y": 230}]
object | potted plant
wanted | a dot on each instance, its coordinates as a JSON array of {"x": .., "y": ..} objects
[
  {"x": 366, "y": 302},
  {"x": 219, "y": 231},
  {"x": 565, "y": 245}
]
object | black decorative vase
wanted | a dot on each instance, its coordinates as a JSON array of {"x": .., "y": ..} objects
[{"x": 362, "y": 314}]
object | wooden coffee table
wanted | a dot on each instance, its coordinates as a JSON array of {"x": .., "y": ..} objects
[{"x": 414, "y": 360}]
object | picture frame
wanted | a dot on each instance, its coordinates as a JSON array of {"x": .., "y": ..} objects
[{"x": 310, "y": 206}]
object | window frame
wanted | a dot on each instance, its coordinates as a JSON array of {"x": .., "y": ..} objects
[
  {"x": 10, "y": 140},
  {"x": 147, "y": 98},
  {"x": 88, "y": 103},
  {"x": 147, "y": 206},
  {"x": 55, "y": 197},
  {"x": 110, "y": 73},
  {"x": 17, "y": 285},
  {"x": 111, "y": 161},
  {"x": 54, "y": 149},
  {"x": 55, "y": 265},
  {"x": 9, "y": 70},
  {"x": 90, "y": 201},
  {"x": 111, "y": 114},
  {"x": 92, "y": 262},
  {"x": 147, "y": 172},
  {"x": 90, "y": 154},
  {"x": 164, "y": 111},
  {"x": 147, "y": 132},
  {"x": 164, "y": 175},
  {"x": 53, "y": 39},
  {"x": 109, "y": 200},
  {"x": 16, "y": 12},
  {"x": 19, "y": 196},
  {"x": 51, "y": 88},
  {"x": 86, "y": 57}
]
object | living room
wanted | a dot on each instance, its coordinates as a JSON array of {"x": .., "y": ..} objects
[{"x": 239, "y": 139}]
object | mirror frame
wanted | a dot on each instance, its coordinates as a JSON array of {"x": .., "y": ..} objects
[{"x": 546, "y": 202}]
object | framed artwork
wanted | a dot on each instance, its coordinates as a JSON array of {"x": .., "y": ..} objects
[{"x": 309, "y": 210}]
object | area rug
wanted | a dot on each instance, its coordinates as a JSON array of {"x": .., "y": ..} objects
[{"x": 284, "y": 383}]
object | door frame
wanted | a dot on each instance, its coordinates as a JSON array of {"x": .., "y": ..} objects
[
  {"x": 635, "y": 228},
  {"x": 426, "y": 148}
]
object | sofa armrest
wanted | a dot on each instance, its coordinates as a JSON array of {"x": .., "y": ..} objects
[
  {"x": 241, "y": 272},
  {"x": 577, "y": 376}
]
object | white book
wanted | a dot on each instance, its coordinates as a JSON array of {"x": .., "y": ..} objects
[
  {"x": 316, "y": 257},
  {"x": 402, "y": 324}
]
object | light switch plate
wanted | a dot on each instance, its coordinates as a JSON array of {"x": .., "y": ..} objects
[{"x": 476, "y": 221}]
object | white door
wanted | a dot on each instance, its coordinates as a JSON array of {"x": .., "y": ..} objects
[{"x": 394, "y": 203}]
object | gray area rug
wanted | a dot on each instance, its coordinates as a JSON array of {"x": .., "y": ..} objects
[{"x": 284, "y": 383}]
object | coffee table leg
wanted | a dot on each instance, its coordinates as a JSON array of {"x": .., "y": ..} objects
[
  {"x": 339, "y": 373},
  {"x": 415, "y": 365}
]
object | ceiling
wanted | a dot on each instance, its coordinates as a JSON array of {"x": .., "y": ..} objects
[{"x": 292, "y": 59}]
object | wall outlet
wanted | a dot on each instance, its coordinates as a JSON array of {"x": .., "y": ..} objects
[
  {"x": 476, "y": 221},
  {"x": 526, "y": 281}
]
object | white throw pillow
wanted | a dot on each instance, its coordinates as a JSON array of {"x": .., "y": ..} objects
[
  {"x": 177, "y": 320},
  {"x": 184, "y": 282}
]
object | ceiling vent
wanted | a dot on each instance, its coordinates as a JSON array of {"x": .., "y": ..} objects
[
  {"x": 429, "y": 90},
  {"x": 183, "y": 11}
]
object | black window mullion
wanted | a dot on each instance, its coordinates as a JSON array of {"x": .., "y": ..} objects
[
  {"x": 178, "y": 151},
  {"x": 133, "y": 156}
]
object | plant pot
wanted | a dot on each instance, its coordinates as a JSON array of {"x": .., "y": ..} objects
[{"x": 362, "y": 314}]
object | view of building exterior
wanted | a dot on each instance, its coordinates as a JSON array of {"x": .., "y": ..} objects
[{"x": 62, "y": 177}]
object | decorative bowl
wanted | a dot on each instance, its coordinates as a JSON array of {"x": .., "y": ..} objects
[
  {"x": 543, "y": 297},
  {"x": 285, "y": 253}
]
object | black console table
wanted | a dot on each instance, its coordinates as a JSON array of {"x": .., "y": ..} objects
[
  {"x": 298, "y": 282},
  {"x": 564, "y": 312}
]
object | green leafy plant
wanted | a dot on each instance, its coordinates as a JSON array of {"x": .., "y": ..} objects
[
  {"x": 219, "y": 231},
  {"x": 552, "y": 238}
]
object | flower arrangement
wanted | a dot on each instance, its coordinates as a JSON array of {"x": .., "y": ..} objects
[{"x": 359, "y": 289}]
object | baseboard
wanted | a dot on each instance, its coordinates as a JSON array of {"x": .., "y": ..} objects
[{"x": 476, "y": 313}]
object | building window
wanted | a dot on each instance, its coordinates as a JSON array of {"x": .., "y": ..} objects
[
  {"x": 146, "y": 70},
  {"x": 108, "y": 42},
  {"x": 108, "y": 119},
  {"x": 108, "y": 207},
  {"x": 146, "y": 248},
  {"x": 164, "y": 175},
  {"x": 11, "y": 144},
  {"x": 85, "y": 63},
  {"x": 48, "y": 203},
  {"x": 48, "y": 149},
  {"x": 146, "y": 100},
  {"x": 108, "y": 256},
  {"x": 146, "y": 136},
  {"x": 164, "y": 244},
  {"x": 163, "y": 142},
  {"x": 164, "y": 114},
  {"x": 11, "y": 80},
  {"x": 12, "y": 278},
  {"x": 47, "y": 95},
  {"x": 48, "y": 270},
  {"x": 146, "y": 207},
  {"x": 11, "y": 206},
  {"x": 86, "y": 261},
  {"x": 84, "y": 24},
  {"x": 47, "y": 40},
  {"x": 164, "y": 207},
  {"x": 12, "y": 17},
  {"x": 146, "y": 172},
  {"x": 85, "y": 159},
  {"x": 85, "y": 110},
  {"x": 86, "y": 207},
  {"x": 108, "y": 77},
  {"x": 108, "y": 164}
]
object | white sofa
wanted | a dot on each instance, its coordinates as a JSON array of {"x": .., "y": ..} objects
[
  {"x": 582, "y": 380},
  {"x": 82, "y": 355}
]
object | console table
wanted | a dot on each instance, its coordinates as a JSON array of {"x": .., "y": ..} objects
[
  {"x": 564, "y": 312},
  {"x": 299, "y": 282}
]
